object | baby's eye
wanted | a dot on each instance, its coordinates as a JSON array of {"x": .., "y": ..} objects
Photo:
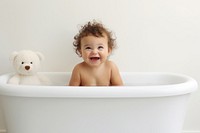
[
  {"x": 100, "y": 47},
  {"x": 88, "y": 48},
  {"x": 22, "y": 62},
  {"x": 31, "y": 62}
]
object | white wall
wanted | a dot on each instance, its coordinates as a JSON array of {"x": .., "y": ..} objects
[{"x": 155, "y": 35}]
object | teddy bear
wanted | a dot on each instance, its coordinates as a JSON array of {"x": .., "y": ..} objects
[{"x": 26, "y": 64}]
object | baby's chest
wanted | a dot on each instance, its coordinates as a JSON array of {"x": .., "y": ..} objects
[{"x": 96, "y": 80}]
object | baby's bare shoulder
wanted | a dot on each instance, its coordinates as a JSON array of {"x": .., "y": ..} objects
[
  {"x": 77, "y": 69},
  {"x": 111, "y": 64},
  {"x": 79, "y": 66}
]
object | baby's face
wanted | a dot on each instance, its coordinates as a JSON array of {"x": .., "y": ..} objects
[{"x": 94, "y": 50}]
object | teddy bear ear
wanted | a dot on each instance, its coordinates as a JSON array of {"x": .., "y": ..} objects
[
  {"x": 40, "y": 55},
  {"x": 13, "y": 55}
]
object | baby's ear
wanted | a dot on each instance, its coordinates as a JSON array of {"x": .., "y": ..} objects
[
  {"x": 40, "y": 55},
  {"x": 13, "y": 56},
  {"x": 109, "y": 51},
  {"x": 79, "y": 53}
]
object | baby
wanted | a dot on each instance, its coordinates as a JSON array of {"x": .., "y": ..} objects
[{"x": 94, "y": 43}]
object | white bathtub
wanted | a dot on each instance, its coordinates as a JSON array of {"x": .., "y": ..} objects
[{"x": 148, "y": 103}]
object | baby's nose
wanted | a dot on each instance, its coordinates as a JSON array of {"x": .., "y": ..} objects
[{"x": 95, "y": 51}]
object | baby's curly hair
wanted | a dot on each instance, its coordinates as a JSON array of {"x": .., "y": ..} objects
[{"x": 96, "y": 29}]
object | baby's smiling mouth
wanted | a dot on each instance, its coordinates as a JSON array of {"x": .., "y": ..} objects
[{"x": 94, "y": 58}]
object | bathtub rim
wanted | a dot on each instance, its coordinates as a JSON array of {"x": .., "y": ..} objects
[{"x": 99, "y": 91}]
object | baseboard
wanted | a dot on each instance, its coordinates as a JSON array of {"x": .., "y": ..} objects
[{"x": 4, "y": 131}]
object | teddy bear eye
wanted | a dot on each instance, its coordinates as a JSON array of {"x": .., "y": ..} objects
[
  {"x": 31, "y": 62},
  {"x": 22, "y": 62}
]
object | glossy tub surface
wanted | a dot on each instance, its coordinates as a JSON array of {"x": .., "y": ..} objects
[{"x": 147, "y": 103}]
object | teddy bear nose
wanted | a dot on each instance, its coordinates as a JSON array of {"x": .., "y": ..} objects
[{"x": 27, "y": 67}]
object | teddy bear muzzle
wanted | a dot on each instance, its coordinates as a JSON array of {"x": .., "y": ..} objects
[{"x": 27, "y": 67}]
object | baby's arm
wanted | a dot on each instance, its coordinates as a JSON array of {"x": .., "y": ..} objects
[
  {"x": 75, "y": 77},
  {"x": 116, "y": 79}
]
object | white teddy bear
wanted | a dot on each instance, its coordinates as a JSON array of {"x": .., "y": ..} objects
[{"x": 27, "y": 64}]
